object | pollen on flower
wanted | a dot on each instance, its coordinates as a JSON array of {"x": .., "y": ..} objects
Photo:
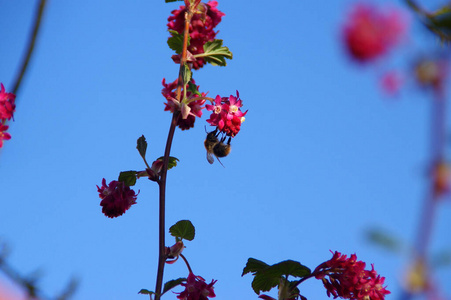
[{"x": 226, "y": 114}]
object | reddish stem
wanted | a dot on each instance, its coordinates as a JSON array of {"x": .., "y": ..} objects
[{"x": 162, "y": 183}]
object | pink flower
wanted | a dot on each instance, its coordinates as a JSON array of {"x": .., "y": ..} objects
[
  {"x": 7, "y": 106},
  {"x": 348, "y": 279},
  {"x": 3, "y": 134},
  {"x": 370, "y": 33},
  {"x": 197, "y": 289},
  {"x": 391, "y": 82},
  {"x": 226, "y": 114},
  {"x": 116, "y": 197},
  {"x": 190, "y": 111},
  {"x": 200, "y": 29}
]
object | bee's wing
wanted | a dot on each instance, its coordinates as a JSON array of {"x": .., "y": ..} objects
[{"x": 210, "y": 157}]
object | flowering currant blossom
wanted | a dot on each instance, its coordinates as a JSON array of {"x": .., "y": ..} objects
[
  {"x": 189, "y": 112},
  {"x": 3, "y": 134},
  {"x": 116, "y": 197},
  {"x": 348, "y": 279},
  {"x": 7, "y": 105},
  {"x": 226, "y": 114},
  {"x": 197, "y": 289},
  {"x": 200, "y": 28},
  {"x": 369, "y": 33}
]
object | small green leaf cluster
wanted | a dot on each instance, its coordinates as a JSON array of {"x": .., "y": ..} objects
[{"x": 267, "y": 276}]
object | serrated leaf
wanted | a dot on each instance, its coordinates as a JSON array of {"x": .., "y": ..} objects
[
  {"x": 175, "y": 42},
  {"x": 146, "y": 292},
  {"x": 186, "y": 74},
  {"x": 264, "y": 283},
  {"x": 172, "y": 284},
  {"x": 128, "y": 177},
  {"x": 172, "y": 161},
  {"x": 268, "y": 277},
  {"x": 254, "y": 265},
  {"x": 141, "y": 145},
  {"x": 193, "y": 89},
  {"x": 288, "y": 267},
  {"x": 215, "y": 53},
  {"x": 183, "y": 229}
]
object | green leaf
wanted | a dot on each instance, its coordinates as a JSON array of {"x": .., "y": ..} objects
[
  {"x": 264, "y": 283},
  {"x": 175, "y": 42},
  {"x": 193, "y": 89},
  {"x": 385, "y": 240},
  {"x": 172, "y": 284},
  {"x": 128, "y": 177},
  {"x": 146, "y": 292},
  {"x": 215, "y": 53},
  {"x": 186, "y": 74},
  {"x": 172, "y": 161},
  {"x": 142, "y": 146},
  {"x": 254, "y": 265},
  {"x": 183, "y": 229},
  {"x": 288, "y": 267},
  {"x": 267, "y": 277}
]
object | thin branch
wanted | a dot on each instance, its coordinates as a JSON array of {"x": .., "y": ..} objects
[{"x": 30, "y": 48}]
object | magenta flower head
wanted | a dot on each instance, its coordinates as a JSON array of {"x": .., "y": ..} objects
[
  {"x": 369, "y": 33},
  {"x": 189, "y": 112},
  {"x": 197, "y": 289},
  {"x": 3, "y": 134},
  {"x": 7, "y": 106},
  {"x": 201, "y": 29},
  {"x": 116, "y": 197},
  {"x": 226, "y": 114},
  {"x": 348, "y": 279}
]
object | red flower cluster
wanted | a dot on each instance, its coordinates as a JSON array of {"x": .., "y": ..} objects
[
  {"x": 116, "y": 197},
  {"x": 370, "y": 33},
  {"x": 226, "y": 114},
  {"x": 7, "y": 108},
  {"x": 348, "y": 279},
  {"x": 200, "y": 28},
  {"x": 197, "y": 289},
  {"x": 190, "y": 111}
]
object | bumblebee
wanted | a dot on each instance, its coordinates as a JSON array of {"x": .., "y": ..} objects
[{"x": 216, "y": 146}]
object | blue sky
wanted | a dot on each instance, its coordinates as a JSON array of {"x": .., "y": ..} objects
[{"x": 322, "y": 156}]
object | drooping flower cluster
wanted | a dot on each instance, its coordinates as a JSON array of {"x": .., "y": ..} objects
[
  {"x": 347, "y": 278},
  {"x": 7, "y": 108},
  {"x": 116, "y": 197},
  {"x": 226, "y": 114},
  {"x": 201, "y": 28},
  {"x": 197, "y": 289},
  {"x": 369, "y": 33},
  {"x": 190, "y": 111}
]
